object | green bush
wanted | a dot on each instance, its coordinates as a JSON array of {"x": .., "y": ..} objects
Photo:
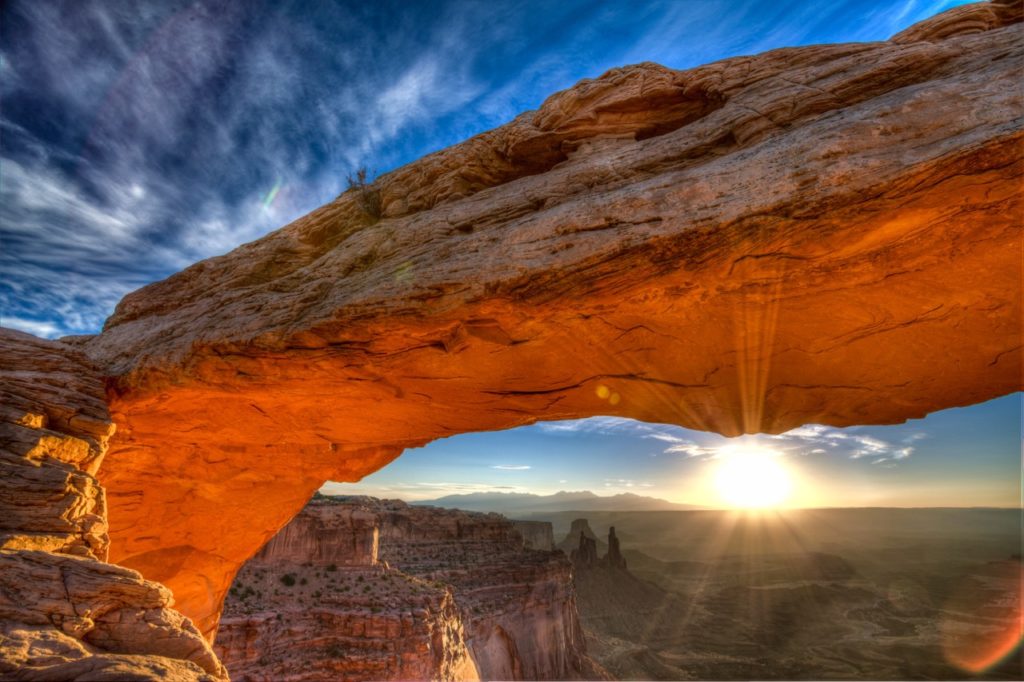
[{"x": 288, "y": 579}]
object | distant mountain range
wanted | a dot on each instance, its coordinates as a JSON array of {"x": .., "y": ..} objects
[{"x": 580, "y": 500}]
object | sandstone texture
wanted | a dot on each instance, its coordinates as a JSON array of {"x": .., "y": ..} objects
[
  {"x": 518, "y": 605},
  {"x": 825, "y": 234},
  {"x": 324, "y": 535},
  {"x": 452, "y": 596},
  {"x": 65, "y": 614},
  {"x": 349, "y": 623},
  {"x": 54, "y": 429}
]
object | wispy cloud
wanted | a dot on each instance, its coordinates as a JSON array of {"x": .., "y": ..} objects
[
  {"x": 512, "y": 467},
  {"x": 174, "y": 125},
  {"x": 415, "y": 491},
  {"x": 626, "y": 483},
  {"x": 853, "y": 443},
  {"x": 139, "y": 138},
  {"x": 812, "y": 439}
]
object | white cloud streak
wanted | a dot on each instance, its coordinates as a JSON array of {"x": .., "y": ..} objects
[{"x": 154, "y": 130}]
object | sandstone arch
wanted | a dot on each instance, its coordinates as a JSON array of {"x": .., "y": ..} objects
[{"x": 822, "y": 234}]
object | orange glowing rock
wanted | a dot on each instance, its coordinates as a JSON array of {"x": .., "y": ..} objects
[{"x": 823, "y": 234}]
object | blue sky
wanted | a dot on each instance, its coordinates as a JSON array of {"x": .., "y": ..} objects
[
  {"x": 139, "y": 137},
  {"x": 959, "y": 457}
]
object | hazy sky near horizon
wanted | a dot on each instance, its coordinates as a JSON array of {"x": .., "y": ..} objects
[
  {"x": 139, "y": 137},
  {"x": 960, "y": 457}
]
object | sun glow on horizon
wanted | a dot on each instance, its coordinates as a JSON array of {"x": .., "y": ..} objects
[{"x": 752, "y": 478}]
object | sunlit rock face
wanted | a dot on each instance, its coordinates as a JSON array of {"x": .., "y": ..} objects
[
  {"x": 65, "y": 614},
  {"x": 455, "y": 595},
  {"x": 55, "y": 429},
  {"x": 822, "y": 234},
  {"x": 324, "y": 536}
]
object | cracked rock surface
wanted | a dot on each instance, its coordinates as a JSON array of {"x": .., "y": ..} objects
[
  {"x": 65, "y": 614},
  {"x": 823, "y": 234}
]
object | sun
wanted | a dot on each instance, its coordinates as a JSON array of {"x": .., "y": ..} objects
[{"x": 752, "y": 478}]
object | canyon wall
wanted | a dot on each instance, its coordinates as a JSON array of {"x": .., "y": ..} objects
[
  {"x": 826, "y": 234},
  {"x": 518, "y": 605},
  {"x": 323, "y": 536},
  {"x": 454, "y": 595},
  {"x": 66, "y": 614}
]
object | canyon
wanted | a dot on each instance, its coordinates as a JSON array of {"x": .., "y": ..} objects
[
  {"x": 360, "y": 588},
  {"x": 824, "y": 234}
]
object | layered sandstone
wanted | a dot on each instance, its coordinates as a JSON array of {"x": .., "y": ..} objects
[
  {"x": 54, "y": 429},
  {"x": 821, "y": 234},
  {"x": 65, "y": 614},
  {"x": 454, "y": 596},
  {"x": 350, "y": 622},
  {"x": 518, "y": 605},
  {"x": 324, "y": 536}
]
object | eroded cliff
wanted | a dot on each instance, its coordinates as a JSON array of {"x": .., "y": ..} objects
[
  {"x": 65, "y": 614},
  {"x": 454, "y": 595}
]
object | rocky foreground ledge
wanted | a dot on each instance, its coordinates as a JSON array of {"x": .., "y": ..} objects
[{"x": 66, "y": 614}]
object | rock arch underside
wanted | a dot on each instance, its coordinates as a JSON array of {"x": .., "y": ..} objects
[{"x": 825, "y": 234}]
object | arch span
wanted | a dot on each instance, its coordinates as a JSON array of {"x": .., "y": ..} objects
[{"x": 824, "y": 234}]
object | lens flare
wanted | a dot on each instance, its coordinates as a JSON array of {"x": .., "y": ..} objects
[
  {"x": 980, "y": 629},
  {"x": 268, "y": 199}
]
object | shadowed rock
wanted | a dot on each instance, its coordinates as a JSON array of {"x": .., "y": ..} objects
[{"x": 614, "y": 557}]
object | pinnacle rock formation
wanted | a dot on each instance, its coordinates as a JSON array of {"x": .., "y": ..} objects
[
  {"x": 614, "y": 557},
  {"x": 65, "y": 614},
  {"x": 585, "y": 555},
  {"x": 579, "y": 528},
  {"x": 826, "y": 234}
]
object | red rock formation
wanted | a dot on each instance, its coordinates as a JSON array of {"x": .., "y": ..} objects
[
  {"x": 55, "y": 431},
  {"x": 64, "y": 614},
  {"x": 614, "y": 557},
  {"x": 536, "y": 534},
  {"x": 820, "y": 234},
  {"x": 578, "y": 530},
  {"x": 352, "y": 623},
  {"x": 585, "y": 554},
  {"x": 518, "y": 605},
  {"x": 505, "y": 612},
  {"x": 324, "y": 536}
]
